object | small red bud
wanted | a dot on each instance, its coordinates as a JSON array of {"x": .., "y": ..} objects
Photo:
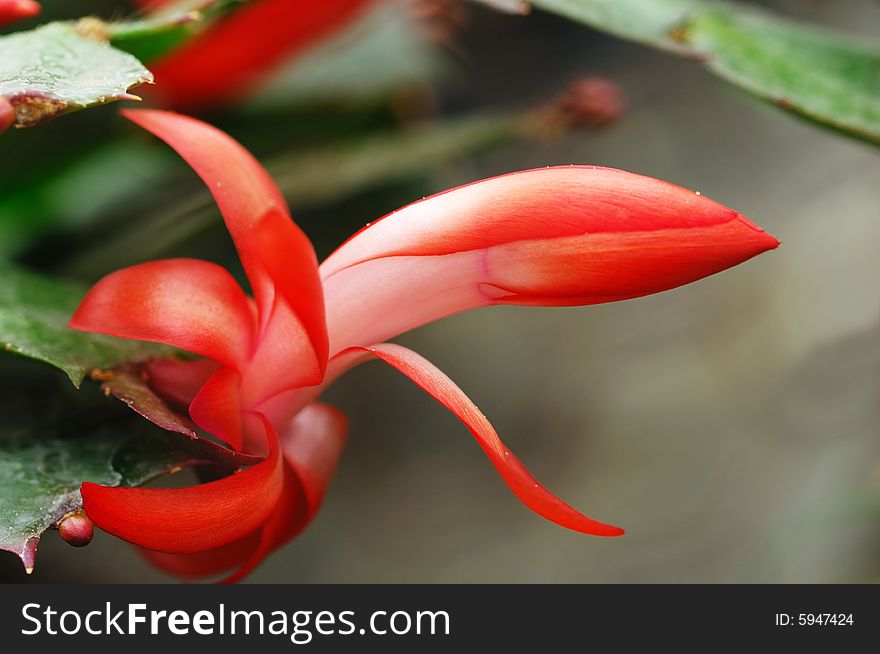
[
  {"x": 76, "y": 529},
  {"x": 590, "y": 101}
]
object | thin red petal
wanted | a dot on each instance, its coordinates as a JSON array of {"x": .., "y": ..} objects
[
  {"x": 290, "y": 509},
  {"x": 278, "y": 258},
  {"x": 551, "y": 236},
  {"x": 187, "y": 520},
  {"x": 232, "y": 56},
  {"x": 13, "y": 10},
  {"x": 246, "y": 553},
  {"x": 194, "y": 305},
  {"x": 311, "y": 446},
  {"x": 432, "y": 380}
]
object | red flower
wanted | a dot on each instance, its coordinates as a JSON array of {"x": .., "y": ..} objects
[
  {"x": 229, "y": 58},
  {"x": 550, "y": 237},
  {"x": 13, "y": 10}
]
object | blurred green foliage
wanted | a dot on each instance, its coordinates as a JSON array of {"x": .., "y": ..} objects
[{"x": 829, "y": 78}]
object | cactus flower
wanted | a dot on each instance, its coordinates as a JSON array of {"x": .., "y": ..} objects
[{"x": 573, "y": 235}]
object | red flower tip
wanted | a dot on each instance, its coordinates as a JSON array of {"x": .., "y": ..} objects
[
  {"x": 590, "y": 101},
  {"x": 76, "y": 529},
  {"x": 761, "y": 238},
  {"x": 194, "y": 519},
  {"x": 7, "y": 114},
  {"x": 559, "y": 236},
  {"x": 13, "y": 10}
]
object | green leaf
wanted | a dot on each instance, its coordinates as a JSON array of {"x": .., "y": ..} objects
[
  {"x": 831, "y": 79},
  {"x": 34, "y": 311},
  {"x": 54, "y": 69},
  {"x": 652, "y": 22},
  {"x": 52, "y": 442}
]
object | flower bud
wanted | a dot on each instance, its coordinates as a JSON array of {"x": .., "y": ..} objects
[{"x": 76, "y": 529}]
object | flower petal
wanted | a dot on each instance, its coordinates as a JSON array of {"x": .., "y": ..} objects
[
  {"x": 283, "y": 358},
  {"x": 244, "y": 554},
  {"x": 13, "y": 10},
  {"x": 194, "y": 305},
  {"x": 186, "y": 520},
  {"x": 432, "y": 380},
  {"x": 278, "y": 258},
  {"x": 552, "y": 236},
  {"x": 230, "y": 57},
  {"x": 289, "y": 510},
  {"x": 311, "y": 447}
]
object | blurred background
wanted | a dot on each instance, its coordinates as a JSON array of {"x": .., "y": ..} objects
[{"x": 732, "y": 426}]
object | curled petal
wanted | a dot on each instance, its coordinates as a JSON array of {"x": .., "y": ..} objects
[
  {"x": 278, "y": 258},
  {"x": 230, "y": 57},
  {"x": 289, "y": 510},
  {"x": 186, "y": 520},
  {"x": 432, "y": 380},
  {"x": 246, "y": 553},
  {"x": 552, "y": 236},
  {"x": 13, "y": 10},
  {"x": 194, "y": 305},
  {"x": 311, "y": 446}
]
